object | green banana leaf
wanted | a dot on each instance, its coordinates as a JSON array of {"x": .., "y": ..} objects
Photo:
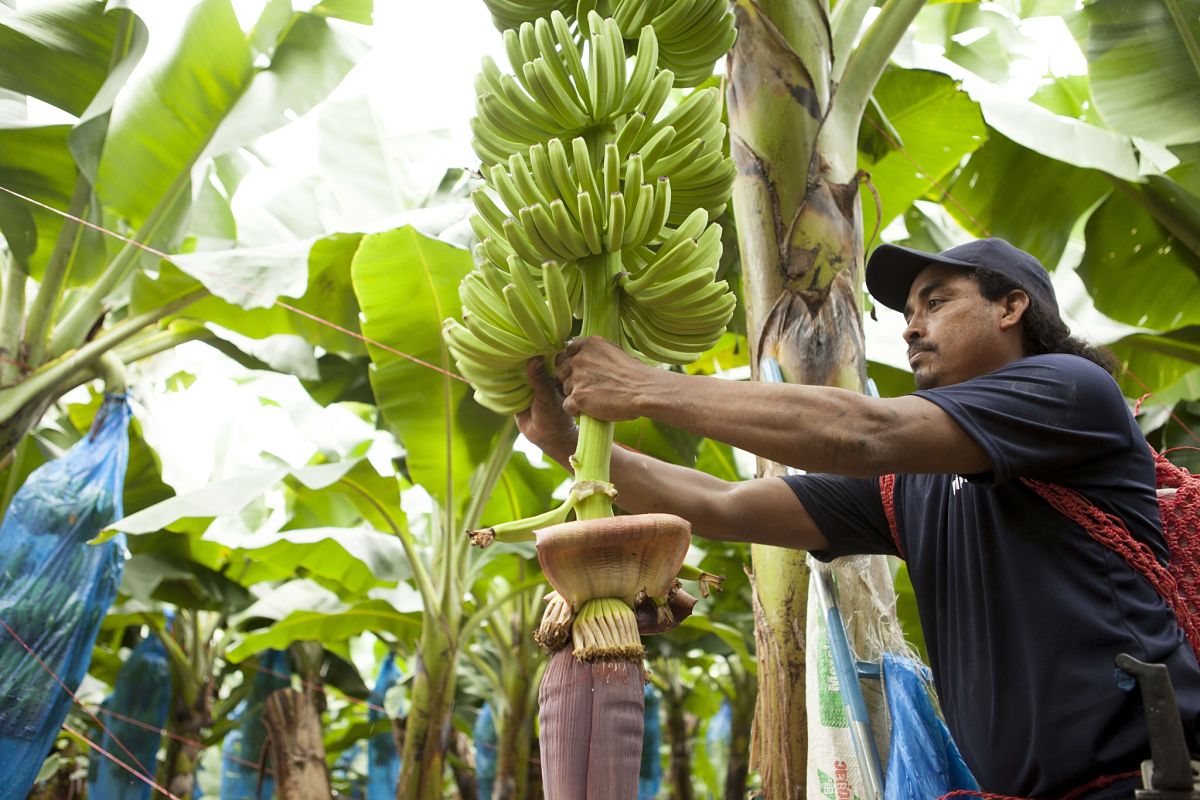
[
  {"x": 1018, "y": 194},
  {"x": 1135, "y": 273},
  {"x": 406, "y": 285},
  {"x": 221, "y": 101},
  {"x": 246, "y": 282},
  {"x": 35, "y": 161},
  {"x": 360, "y": 11},
  {"x": 916, "y": 132},
  {"x": 225, "y": 497},
  {"x": 1157, "y": 363},
  {"x": 150, "y": 577},
  {"x": 1144, "y": 66},
  {"x": 994, "y": 36},
  {"x": 57, "y": 51},
  {"x": 375, "y": 616}
]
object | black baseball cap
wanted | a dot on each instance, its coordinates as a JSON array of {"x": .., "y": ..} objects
[{"x": 892, "y": 269}]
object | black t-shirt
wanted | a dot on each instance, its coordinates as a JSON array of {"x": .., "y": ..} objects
[{"x": 1022, "y": 611}]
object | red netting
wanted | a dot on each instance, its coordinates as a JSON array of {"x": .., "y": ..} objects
[
  {"x": 1180, "y": 512},
  {"x": 1179, "y": 582},
  {"x": 887, "y": 493}
]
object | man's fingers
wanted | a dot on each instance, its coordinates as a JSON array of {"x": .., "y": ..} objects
[
  {"x": 535, "y": 370},
  {"x": 570, "y": 407}
]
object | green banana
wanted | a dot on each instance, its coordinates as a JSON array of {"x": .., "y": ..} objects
[
  {"x": 589, "y": 226},
  {"x": 614, "y": 229},
  {"x": 558, "y": 299},
  {"x": 529, "y": 320}
]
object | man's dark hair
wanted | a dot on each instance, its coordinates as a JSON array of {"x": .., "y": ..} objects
[{"x": 1044, "y": 331}]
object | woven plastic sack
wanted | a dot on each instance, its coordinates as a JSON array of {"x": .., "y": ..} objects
[
  {"x": 923, "y": 761},
  {"x": 242, "y": 751},
  {"x": 55, "y": 588},
  {"x": 650, "y": 776},
  {"x": 383, "y": 771},
  {"x": 485, "y": 752},
  {"x": 142, "y": 695}
]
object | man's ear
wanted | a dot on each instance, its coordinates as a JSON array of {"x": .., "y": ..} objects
[{"x": 1016, "y": 303}]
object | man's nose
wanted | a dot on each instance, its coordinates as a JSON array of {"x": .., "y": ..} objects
[{"x": 914, "y": 330}]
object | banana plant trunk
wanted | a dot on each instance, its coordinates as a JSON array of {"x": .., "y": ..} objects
[
  {"x": 794, "y": 110},
  {"x": 517, "y": 723},
  {"x": 186, "y": 725},
  {"x": 427, "y": 728},
  {"x": 297, "y": 747}
]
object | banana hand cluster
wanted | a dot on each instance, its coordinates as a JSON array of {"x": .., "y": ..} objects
[
  {"x": 693, "y": 33},
  {"x": 553, "y": 92},
  {"x": 509, "y": 316},
  {"x": 673, "y": 309},
  {"x": 555, "y": 206},
  {"x": 511, "y": 13}
]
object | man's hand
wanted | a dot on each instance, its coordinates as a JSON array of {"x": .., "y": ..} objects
[
  {"x": 545, "y": 423},
  {"x": 601, "y": 380}
]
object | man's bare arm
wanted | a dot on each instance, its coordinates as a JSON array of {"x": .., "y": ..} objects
[
  {"x": 818, "y": 429},
  {"x": 763, "y": 511}
]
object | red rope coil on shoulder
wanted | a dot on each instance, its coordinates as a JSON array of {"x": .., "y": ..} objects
[{"x": 1110, "y": 531}]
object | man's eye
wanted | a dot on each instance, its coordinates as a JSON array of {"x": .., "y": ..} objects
[{"x": 934, "y": 303}]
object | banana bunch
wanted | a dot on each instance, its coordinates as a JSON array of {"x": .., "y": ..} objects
[
  {"x": 673, "y": 308},
  {"x": 692, "y": 34},
  {"x": 510, "y": 316},
  {"x": 580, "y": 158}
]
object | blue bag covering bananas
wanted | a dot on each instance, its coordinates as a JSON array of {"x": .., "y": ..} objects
[
  {"x": 55, "y": 588},
  {"x": 243, "y": 747},
  {"x": 383, "y": 771},
  {"x": 142, "y": 695},
  {"x": 485, "y": 751}
]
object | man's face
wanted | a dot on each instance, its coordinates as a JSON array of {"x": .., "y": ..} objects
[{"x": 953, "y": 332}]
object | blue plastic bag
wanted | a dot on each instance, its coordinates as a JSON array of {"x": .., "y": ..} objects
[
  {"x": 344, "y": 771},
  {"x": 384, "y": 762},
  {"x": 142, "y": 693},
  {"x": 242, "y": 749},
  {"x": 650, "y": 777},
  {"x": 485, "y": 752},
  {"x": 55, "y": 588},
  {"x": 923, "y": 761},
  {"x": 718, "y": 739}
]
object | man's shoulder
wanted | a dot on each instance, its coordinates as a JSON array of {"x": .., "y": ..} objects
[
  {"x": 1064, "y": 364},
  {"x": 1078, "y": 377}
]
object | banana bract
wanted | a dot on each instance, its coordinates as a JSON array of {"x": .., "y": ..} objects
[
  {"x": 582, "y": 159},
  {"x": 692, "y": 33}
]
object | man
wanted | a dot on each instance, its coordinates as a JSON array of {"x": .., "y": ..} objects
[{"x": 1023, "y": 613}]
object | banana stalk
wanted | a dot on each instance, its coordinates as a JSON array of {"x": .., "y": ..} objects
[{"x": 597, "y": 208}]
